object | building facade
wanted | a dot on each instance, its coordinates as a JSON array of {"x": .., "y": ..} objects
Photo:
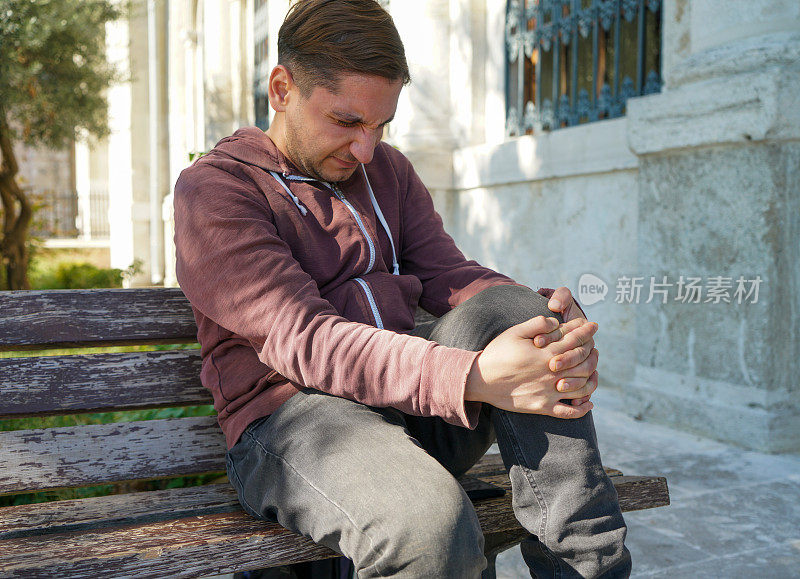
[
  {"x": 692, "y": 196},
  {"x": 662, "y": 185}
]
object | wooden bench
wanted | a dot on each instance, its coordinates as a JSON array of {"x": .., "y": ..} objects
[{"x": 186, "y": 532}]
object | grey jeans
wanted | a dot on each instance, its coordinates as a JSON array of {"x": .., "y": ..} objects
[{"x": 378, "y": 485}]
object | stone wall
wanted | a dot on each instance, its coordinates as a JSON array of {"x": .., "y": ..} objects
[{"x": 701, "y": 180}]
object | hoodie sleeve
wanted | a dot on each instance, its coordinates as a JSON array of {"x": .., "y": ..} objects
[
  {"x": 235, "y": 269},
  {"x": 430, "y": 254}
]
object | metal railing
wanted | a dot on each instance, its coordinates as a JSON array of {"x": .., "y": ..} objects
[
  {"x": 58, "y": 214},
  {"x": 576, "y": 61},
  {"x": 55, "y": 213},
  {"x": 99, "y": 227}
]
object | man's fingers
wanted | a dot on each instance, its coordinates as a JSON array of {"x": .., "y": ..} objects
[
  {"x": 577, "y": 388},
  {"x": 545, "y": 340},
  {"x": 582, "y": 370},
  {"x": 536, "y": 326},
  {"x": 574, "y": 339},
  {"x": 572, "y": 358},
  {"x": 562, "y": 410}
]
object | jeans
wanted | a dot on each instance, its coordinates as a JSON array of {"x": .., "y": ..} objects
[{"x": 379, "y": 486}]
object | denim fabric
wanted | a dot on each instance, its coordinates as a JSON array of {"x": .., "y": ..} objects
[{"x": 378, "y": 485}]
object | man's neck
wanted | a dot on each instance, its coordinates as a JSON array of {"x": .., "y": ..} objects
[{"x": 276, "y": 132}]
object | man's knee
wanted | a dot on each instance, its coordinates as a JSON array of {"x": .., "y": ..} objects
[{"x": 480, "y": 319}]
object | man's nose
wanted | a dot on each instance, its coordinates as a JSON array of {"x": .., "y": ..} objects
[{"x": 363, "y": 146}]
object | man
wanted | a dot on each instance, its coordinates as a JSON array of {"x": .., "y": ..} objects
[{"x": 305, "y": 252}]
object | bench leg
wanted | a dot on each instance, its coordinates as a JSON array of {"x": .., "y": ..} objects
[{"x": 490, "y": 572}]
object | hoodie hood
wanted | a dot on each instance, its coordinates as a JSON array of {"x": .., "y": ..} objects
[{"x": 252, "y": 146}]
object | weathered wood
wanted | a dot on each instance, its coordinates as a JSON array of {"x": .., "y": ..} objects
[
  {"x": 235, "y": 543},
  {"x": 124, "y": 510},
  {"x": 635, "y": 492},
  {"x": 158, "y": 532},
  {"x": 100, "y": 382},
  {"x": 83, "y": 455},
  {"x": 186, "y": 547},
  {"x": 62, "y": 318},
  {"x": 641, "y": 492},
  {"x": 125, "y": 539},
  {"x": 116, "y": 510}
]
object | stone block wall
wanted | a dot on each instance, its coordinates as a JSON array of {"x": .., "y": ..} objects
[{"x": 701, "y": 180}]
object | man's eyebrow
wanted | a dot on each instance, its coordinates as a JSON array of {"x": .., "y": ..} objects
[{"x": 351, "y": 118}]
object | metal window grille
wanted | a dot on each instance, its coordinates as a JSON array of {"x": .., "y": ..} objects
[
  {"x": 576, "y": 61},
  {"x": 261, "y": 69}
]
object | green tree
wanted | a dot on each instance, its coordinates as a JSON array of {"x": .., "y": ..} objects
[{"x": 53, "y": 79}]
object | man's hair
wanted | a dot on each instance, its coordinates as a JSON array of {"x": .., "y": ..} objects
[{"x": 321, "y": 40}]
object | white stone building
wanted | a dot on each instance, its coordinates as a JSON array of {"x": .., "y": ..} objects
[{"x": 695, "y": 185}]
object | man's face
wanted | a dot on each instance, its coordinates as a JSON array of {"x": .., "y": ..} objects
[{"x": 328, "y": 134}]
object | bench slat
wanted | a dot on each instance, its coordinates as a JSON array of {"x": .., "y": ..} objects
[
  {"x": 102, "y": 453},
  {"x": 127, "y": 509},
  {"x": 152, "y": 506},
  {"x": 116, "y": 510},
  {"x": 100, "y": 383},
  {"x": 188, "y": 547},
  {"x": 53, "y": 318}
]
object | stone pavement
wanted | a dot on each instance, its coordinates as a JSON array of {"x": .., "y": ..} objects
[{"x": 734, "y": 513}]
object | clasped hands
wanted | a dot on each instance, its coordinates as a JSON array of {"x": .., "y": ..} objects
[{"x": 540, "y": 366}]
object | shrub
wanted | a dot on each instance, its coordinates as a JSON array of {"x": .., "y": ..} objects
[{"x": 68, "y": 275}]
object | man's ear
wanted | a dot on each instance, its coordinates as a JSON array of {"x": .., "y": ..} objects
[{"x": 281, "y": 85}]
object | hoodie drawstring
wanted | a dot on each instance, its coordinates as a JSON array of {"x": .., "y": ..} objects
[
  {"x": 382, "y": 219},
  {"x": 302, "y": 209},
  {"x": 376, "y": 207}
]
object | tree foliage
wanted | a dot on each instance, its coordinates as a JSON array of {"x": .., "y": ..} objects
[
  {"x": 54, "y": 68},
  {"x": 53, "y": 78}
]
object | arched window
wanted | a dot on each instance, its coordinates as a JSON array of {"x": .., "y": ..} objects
[{"x": 575, "y": 61}]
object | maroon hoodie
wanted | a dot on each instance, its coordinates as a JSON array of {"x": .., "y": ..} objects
[{"x": 291, "y": 283}]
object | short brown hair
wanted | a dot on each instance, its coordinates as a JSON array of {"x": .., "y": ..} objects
[{"x": 322, "y": 39}]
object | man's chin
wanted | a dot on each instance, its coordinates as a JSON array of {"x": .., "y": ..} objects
[{"x": 338, "y": 175}]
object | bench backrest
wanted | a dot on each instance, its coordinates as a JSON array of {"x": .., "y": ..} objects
[{"x": 73, "y": 384}]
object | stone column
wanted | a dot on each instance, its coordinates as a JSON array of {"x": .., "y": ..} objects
[
  {"x": 423, "y": 127},
  {"x": 120, "y": 214},
  {"x": 719, "y": 178}
]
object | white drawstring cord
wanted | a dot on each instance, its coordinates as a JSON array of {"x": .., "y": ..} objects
[
  {"x": 378, "y": 212},
  {"x": 382, "y": 219},
  {"x": 302, "y": 209}
]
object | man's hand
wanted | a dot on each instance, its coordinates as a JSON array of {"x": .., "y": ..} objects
[
  {"x": 513, "y": 374},
  {"x": 562, "y": 302}
]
